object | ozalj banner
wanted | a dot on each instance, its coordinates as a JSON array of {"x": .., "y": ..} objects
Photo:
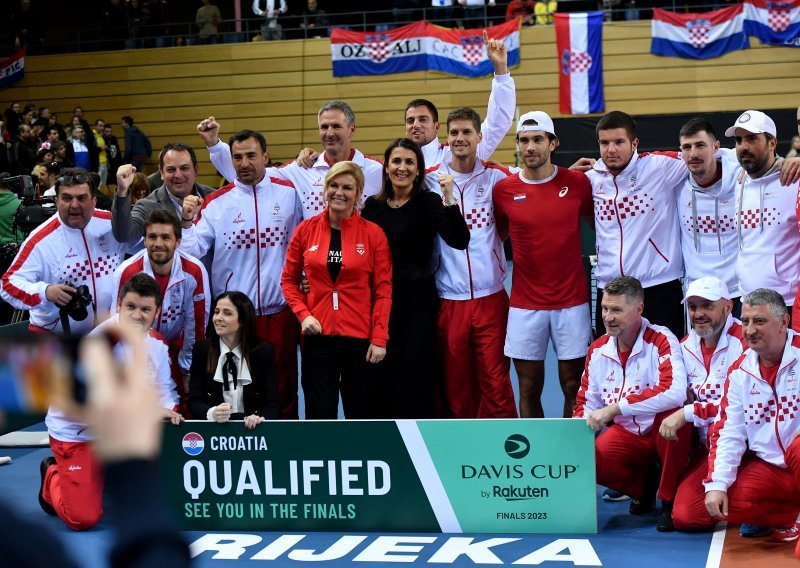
[
  {"x": 523, "y": 476},
  {"x": 420, "y": 47}
]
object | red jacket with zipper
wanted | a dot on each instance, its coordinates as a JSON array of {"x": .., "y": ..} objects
[{"x": 358, "y": 303}]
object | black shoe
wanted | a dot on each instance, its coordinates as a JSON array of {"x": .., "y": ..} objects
[
  {"x": 664, "y": 523},
  {"x": 43, "y": 467},
  {"x": 642, "y": 506}
]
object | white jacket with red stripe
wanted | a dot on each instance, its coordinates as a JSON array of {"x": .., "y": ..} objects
[
  {"x": 248, "y": 228},
  {"x": 185, "y": 306},
  {"x": 706, "y": 386},
  {"x": 55, "y": 253},
  {"x": 636, "y": 219},
  {"x": 480, "y": 270},
  {"x": 755, "y": 415},
  {"x": 652, "y": 381}
]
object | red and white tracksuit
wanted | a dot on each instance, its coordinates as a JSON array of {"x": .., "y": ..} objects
[
  {"x": 753, "y": 454},
  {"x": 309, "y": 182},
  {"x": 706, "y": 387},
  {"x": 474, "y": 310},
  {"x": 56, "y": 254},
  {"x": 248, "y": 229},
  {"x": 74, "y": 486},
  {"x": 185, "y": 307},
  {"x": 499, "y": 118},
  {"x": 650, "y": 386},
  {"x": 636, "y": 219}
]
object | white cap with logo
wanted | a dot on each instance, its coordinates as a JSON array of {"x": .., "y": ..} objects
[
  {"x": 707, "y": 287},
  {"x": 755, "y": 122},
  {"x": 537, "y": 120}
]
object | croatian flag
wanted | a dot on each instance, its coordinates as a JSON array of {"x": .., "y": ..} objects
[
  {"x": 420, "y": 47},
  {"x": 462, "y": 52},
  {"x": 12, "y": 69},
  {"x": 579, "y": 41},
  {"x": 774, "y": 23},
  {"x": 700, "y": 35}
]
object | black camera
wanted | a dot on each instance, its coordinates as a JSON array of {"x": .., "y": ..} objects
[
  {"x": 76, "y": 307},
  {"x": 23, "y": 186}
]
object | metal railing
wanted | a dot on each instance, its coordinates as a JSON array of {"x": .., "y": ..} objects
[{"x": 291, "y": 26}]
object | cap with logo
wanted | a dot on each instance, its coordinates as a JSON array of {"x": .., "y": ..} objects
[
  {"x": 709, "y": 288},
  {"x": 537, "y": 120},
  {"x": 755, "y": 122}
]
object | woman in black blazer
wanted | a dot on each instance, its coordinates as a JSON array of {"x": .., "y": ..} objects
[{"x": 232, "y": 376}]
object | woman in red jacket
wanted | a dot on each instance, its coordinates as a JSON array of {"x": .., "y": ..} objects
[{"x": 345, "y": 315}]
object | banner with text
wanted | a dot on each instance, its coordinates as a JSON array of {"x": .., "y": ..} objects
[
  {"x": 420, "y": 47},
  {"x": 12, "y": 70},
  {"x": 524, "y": 476}
]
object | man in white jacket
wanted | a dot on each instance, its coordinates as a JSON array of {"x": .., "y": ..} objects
[
  {"x": 758, "y": 412},
  {"x": 634, "y": 378}
]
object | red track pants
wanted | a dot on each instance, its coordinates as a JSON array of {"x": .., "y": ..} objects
[
  {"x": 282, "y": 331},
  {"x": 74, "y": 486}
]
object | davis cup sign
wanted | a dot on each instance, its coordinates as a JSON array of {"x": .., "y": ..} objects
[{"x": 427, "y": 475}]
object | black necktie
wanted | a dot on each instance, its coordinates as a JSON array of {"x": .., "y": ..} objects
[{"x": 229, "y": 367}]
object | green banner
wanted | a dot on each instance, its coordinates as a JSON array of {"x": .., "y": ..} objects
[{"x": 523, "y": 476}]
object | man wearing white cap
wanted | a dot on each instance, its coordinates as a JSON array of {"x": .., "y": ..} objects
[
  {"x": 753, "y": 451},
  {"x": 713, "y": 344},
  {"x": 766, "y": 219},
  {"x": 540, "y": 207}
]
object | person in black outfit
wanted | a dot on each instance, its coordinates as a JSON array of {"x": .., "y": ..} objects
[
  {"x": 412, "y": 217},
  {"x": 233, "y": 376}
]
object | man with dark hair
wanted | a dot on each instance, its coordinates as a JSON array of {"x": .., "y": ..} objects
[
  {"x": 73, "y": 248},
  {"x": 636, "y": 220},
  {"x": 137, "y": 145},
  {"x": 72, "y": 481},
  {"x": 247, "y": 225},
  {"x": 337, "y": 125},
  {"x": 183, "y": 281},
  {"x": 22, "y": 155},
  {"x": 766, "y": 221},
  {"x": 62, "y": 154},
  {"x": 549, "y": 292},
  {"x": 754, "y": 453},
  {"x": 634, "y": 378},
  {"x": 177, "y": 164},
  {"x": 422, "y": 116},
  {"x": 112, "y": 151},
  {"x": 707, "y": 209},
  {"x": 474, "y": 307}
]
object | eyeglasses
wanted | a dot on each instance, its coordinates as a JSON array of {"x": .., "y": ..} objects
[{"x": 76, "y": 179}]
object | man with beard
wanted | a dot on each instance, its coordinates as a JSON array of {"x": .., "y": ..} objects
[
  {"x": 766, "y": 221},
  {"x": 184, "y": 288},
  {"x": 549, "y": 293},
  {"x": 712, "y": 345}
]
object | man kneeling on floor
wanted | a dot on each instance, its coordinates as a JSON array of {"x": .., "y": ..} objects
[
  {"x": 72, "y": 481},
  {"x": 754, "y": 455},
  {"x": 635, "y": 377}
]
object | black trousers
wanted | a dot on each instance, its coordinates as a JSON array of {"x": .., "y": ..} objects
[
  {"x": 333, "y": 364},
  {"x": 662, "y": 306}
]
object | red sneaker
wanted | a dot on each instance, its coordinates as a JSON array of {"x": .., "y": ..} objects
[{"x": 789, "y": 534}]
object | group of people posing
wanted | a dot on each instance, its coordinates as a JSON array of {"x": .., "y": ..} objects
[{"x": 389, "y": 274}]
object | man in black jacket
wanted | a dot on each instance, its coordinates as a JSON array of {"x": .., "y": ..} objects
[
  {"x": 177, "y": 164},
  {"x": 23, "y": 151},
  {"x": 137, "y": 145}
]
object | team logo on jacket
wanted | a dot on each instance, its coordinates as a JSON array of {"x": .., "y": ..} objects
[
  {"x": 563, "y": 192},
  {"x": 754, "y": 391},
  {"x": 360, "y": 248},
  {"x": 662, "y": 359},
  {"x": 520, "y": 197},
  {"x": 238, "y": 218},
  {"x": 198, "y": 297},
  {"x": 71, "y": 253},
  {"x": 193, "y": 444},
  {"x": 313, "y": 248}
]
